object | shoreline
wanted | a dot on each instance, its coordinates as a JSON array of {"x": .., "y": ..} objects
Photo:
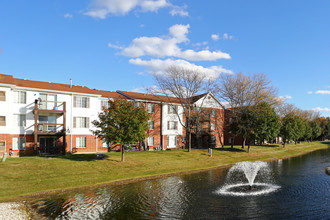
[
  {"x": 35, "y": 196},
  {"x": 20, "y": 205}
]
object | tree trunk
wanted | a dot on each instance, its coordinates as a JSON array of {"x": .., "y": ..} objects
[
  {"x": 232, "y": 142},
  {"x": 243, "y": 143},
  {"x": 248, "y": 147},
  {"x": 283, "y": 144},
  {"x": 122, "y": 153},
  {"x": 189, "y": 144}
]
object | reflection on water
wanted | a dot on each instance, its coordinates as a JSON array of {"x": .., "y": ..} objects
[{"x": 304, "y": 194}]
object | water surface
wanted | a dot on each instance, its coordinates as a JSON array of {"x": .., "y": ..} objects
[{"x": 304, "y": 193}]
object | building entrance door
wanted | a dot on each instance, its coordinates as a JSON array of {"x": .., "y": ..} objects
[
  {"x": 48, "y": 145},
  {"x": 171, "y": 141}
]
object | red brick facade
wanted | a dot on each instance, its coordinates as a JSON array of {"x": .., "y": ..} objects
[{"x": 212, "y": 134}]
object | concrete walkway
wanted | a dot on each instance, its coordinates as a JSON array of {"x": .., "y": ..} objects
[{"x": 12, "y": 211}]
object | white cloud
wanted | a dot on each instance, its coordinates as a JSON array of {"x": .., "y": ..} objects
[
  {"x": 286, "y": 97},
  {"x": 309, "y": 92},
  {"x": 319, "y": 109},
  {"x": 215, "y": 37},
  {"x": 158, "y": 66},
  {"x": 176, "y": 10},
  {"x": 67, "y": 15},
  {"x": 200, "y": 44},
  {"x": 102, "y": 8},
  {"x": 323, "y": 92},
  {"x": 167, "y": 46},
  {"x": 146, "y": 89},
  {"x": 115, "y": 46},
  {"x": 227, "y": 36}
]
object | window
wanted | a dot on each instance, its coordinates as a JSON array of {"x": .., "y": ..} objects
[
  {"x": 47, "y": 123},
  {"x": 80, "y": 122},
  {"x": 2, "y": 146},
  {"x": 172, "y": 125},
  {"x": 230, "y": 120},
  {"x": 80, "y": 102},
  {"x": 198, "y": 110},
  {"x": 136, "y": 104},
  {"x": 212, "y": 126},
  {"x": 172, "y": 109},
  {"x": 2, "y": 95},
  {"x": 80, "y": 142},
  {"x": 20, "y": 120},
  {"x": 105, "y": 104},
  {"x": 2, "y": 120},
  {"x": 150, "y": 141},
  {"x": 20, "y": 97},
  {"x": 151, "y": 108},
  {"x": 105, "y": 144},
  {"x": 183, "y": 139},
  {"x": 151, "y": 125},
  {"x": 19, "y": 143},
  {"x": 213, "y": 113},
  {"x": 213, "y": 139},
  {"x": 47, "y": 101}
]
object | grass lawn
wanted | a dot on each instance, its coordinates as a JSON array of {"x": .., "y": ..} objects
[{"x": 29, "y": 175}]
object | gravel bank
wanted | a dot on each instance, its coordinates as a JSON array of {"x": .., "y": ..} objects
[{"x": 12, "y": 211}]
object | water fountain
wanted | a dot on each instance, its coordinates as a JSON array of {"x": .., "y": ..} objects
[{"x": 241, "y": 172}]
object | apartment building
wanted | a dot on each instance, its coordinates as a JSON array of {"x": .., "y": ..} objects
[{"x": 51, "y": 118}]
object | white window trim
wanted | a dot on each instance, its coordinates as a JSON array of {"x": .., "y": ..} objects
[
  {"x": 82, "y": 122},
  {"x": 153, "y": 124},
  {"x": 18, "y": 96},
  {"x": 212, "y": 126},
  {"x": 79, "y": 142},
  {"x": 153, "y": 141},
  {"x": 175, "y": 125},
  {"x": 151, "y": 109},
  {"x": 18, "y": 120},
  {"x": 5, "y": 146},
  {"x": 19, "y": 145}
]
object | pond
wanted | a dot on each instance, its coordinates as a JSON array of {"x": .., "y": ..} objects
[{"x": 303, "y": 192}]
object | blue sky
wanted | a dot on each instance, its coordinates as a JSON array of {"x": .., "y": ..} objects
[{"x": 117, "y": 44}]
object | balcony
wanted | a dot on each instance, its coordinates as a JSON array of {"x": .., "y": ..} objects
[
  {"x": 50, "y": 106},
  {"x": 50, "y": 128},
  {"x": 46, "y": 112}
]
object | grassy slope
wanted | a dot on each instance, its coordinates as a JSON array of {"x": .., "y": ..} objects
[{"x": 28, "y": 175}]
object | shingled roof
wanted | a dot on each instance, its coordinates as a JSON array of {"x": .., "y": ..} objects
[
  {"x": 158, "y": 98},
  {"x": 149, "y": 97},
  {"x": 9, "y": 79}
]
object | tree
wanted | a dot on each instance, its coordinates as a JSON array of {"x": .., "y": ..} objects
[
  {"x": 323, "y": 122},
  {"x": 258, "y": 122},
  {"x": 316, "y": 130},
  {"x": 184, "y": 85},
  {"x": 290, "y": 128},
  {"x": 240, "y": 92},
  {"x": 267, "y": 124},
  {"x": 122, "y": 123},
  {"x": 246, "y": 124}
]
